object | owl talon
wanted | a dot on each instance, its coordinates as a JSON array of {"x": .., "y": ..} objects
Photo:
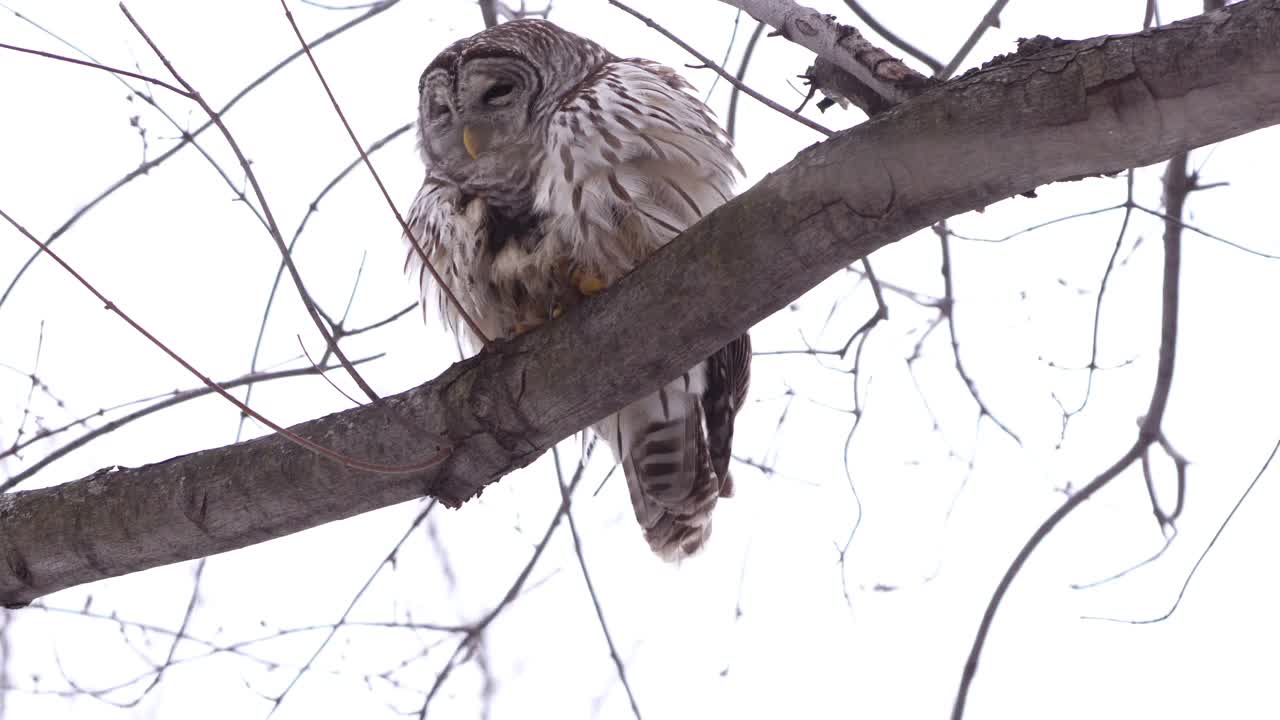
[
  {"x": 524, "y": 327},
  {"x": 588, "y": 283}
]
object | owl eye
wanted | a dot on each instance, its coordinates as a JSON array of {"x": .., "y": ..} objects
[
  {"x": 440, "y": 112},
  {"x": 497, "y": 92}
]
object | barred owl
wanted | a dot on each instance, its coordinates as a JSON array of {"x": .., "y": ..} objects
[{"x": 553, "y": 168}]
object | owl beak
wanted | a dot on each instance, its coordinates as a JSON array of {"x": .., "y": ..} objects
[{"x": 475, "y": 141}]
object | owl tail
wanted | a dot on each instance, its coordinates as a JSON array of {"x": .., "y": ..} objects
[{"x": 661, "y": 443}]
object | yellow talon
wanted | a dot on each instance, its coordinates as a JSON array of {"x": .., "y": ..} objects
[
  {"x": 588, "y": 283},
  {"x": 524, "y": 327}
]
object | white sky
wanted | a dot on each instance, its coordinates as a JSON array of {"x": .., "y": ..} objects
[{"x": 194, "y": 267}]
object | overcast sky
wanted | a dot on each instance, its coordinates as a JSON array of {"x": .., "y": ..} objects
[{"x": 765, "y": 622}]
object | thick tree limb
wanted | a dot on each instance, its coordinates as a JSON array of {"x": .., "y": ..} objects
[{"x": 1073, "y": 110}]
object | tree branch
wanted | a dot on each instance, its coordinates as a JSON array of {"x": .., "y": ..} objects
[
  {"x": 1073, "y": 110},
  {"x": 848, "y": 65}
]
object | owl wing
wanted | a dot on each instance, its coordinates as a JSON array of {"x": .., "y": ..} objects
[
  {"x": 728, "y": 377},
  {"x": 632, "y": 159}
]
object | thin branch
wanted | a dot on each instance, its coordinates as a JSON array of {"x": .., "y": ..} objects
[
  {"x": 1149, "y": 432},
  {"x": 342, "y": 619},
  {"x": 971, "y": 665},
  {"x": 489, "y": 12},
  {"x": 728, "y": 50},
  {"x": 1212, "y": 542},
  {"x": 1092, "y": 367},
  {"x": 174, "y": 399},
  {"x": 414, "y": 242},
  {"x": 189, "y": 137},
  {"x": 294, "y": 437},
  {"x": 475, "y": 630},
  {"x": 731, "y": 119},
  {"x": 273, "y": 227},
  {"x": 709, "y": 63},
  {"x": 1184, "y": 224},
  {"x": 990, "y": 20},
  {"x": 379, "y": 323},
  {"x": 31, "y": 393},
  {"x": 1039, "y": 225},
  {"x": 1164, "y": 546},
  {"x": 948, "y": 311},
  {"x": 312, "y": 208},
  {"x": 325, "y": 377},
  {"x": 150, "y": 99},
  {"x": 565, "y": 496},
  {"x": 99, "y": 66},
  {"x": 893, "y": 38}
]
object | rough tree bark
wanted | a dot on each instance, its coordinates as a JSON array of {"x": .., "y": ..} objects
[{"x": 1069, "y": 111}]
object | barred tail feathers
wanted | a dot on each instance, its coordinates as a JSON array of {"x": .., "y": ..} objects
[{"x": 661, "y": 442}]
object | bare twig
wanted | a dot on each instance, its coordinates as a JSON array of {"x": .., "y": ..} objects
[
  {"x": 99, "y": 66},
  {"x": 326, "y": 378},
  {"x": 150, "y": 99},
  {"x": 476, "y": 629},
  {"x": 313, "y": 208},
  {"x": 728, "y": 50},
  {"x": 189, "y": 137},
  {"x": 1213, "y": 541},
  {"x": 1092, "y": 367},
  {"x": 273, "y": 227},
  {"x": 1164, "y": 546},
  {"x": 565, "y": 496},
  {"x": 1149, "y": 432},
  {"x": 342, "y": 619},
  {"x": 893, "y": 37},
  {"x": 989, "y": 20},
  {"x": 732, "y": 117},
  {"x": 293, "y": 437},
  {"x": 174, "y": 399},
  {"x": 31, "y": 393},
  {"x": 948, "y": 311},
  {"x": 1039, "y": 225},
  {"x": 1184, "y": 224},
  {"x": 489, "y": 11},
  {"x": 414, "y": 241},
  {"x": 708, "y": 62}
]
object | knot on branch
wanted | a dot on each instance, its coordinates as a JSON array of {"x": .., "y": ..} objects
[{"x": 840, "y": 87}]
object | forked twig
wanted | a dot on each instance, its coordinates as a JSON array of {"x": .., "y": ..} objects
[
  {"x": 413, "y": 241},
  {"x": 272, "y": 226},
  {"x": 1149, "y": 432},
  {"x": 292, "y": 436}
]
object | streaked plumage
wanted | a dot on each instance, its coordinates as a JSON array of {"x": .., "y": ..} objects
[{"x": 574, "y": 166}]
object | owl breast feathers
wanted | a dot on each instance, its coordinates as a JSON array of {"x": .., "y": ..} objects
[{"x": 553, "y": 168}]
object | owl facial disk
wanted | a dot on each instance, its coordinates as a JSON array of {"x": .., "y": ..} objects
[
  {"x": 493, "y": 95},
  {"x": 476, "y": 117}
]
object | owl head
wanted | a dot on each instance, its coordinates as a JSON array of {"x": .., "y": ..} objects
[{"x": 485, "y": 101}]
